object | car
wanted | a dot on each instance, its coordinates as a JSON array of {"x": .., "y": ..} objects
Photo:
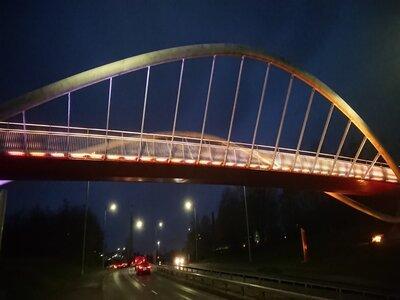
[
  {"x": 139, "y": 259},
  {"x": 179, "y": 261},
  {"x": 143, "y": 268},
  {"x": 119, "y": 265}
]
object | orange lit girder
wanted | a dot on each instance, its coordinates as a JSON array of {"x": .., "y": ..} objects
[{"x": 48, "y": 168}]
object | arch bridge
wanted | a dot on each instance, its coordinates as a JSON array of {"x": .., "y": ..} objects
[{"x": 38, "y": 150}]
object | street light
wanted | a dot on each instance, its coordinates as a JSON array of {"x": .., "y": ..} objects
[
  {"x": 158, "y": 227},
  {"x": 139, "y": 224},
  {"x": 157, "y": 251},
  {"x": 160, "y": 224},
  {"x": 112, "y": 207},
  {"x": 189, "y": 206}
]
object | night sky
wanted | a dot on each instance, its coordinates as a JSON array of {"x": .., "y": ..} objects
[{"x": 351, "y": 46}]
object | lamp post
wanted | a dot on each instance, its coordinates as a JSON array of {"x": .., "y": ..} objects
[
  {"x": 84, "y": 227},
  {"x": 189, "y": 205},
  {"x": 157, "y": 227},
  {"x": 111, "y": 207},
  {"x": 138, "y": 226},
  {"x": 247, "y": 223},
  {"x": 158, "y": 249}
]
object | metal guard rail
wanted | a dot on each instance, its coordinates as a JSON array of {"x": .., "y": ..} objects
[
  {"x": 342, "y": 290},
  {"x": 242, "y": 287}
]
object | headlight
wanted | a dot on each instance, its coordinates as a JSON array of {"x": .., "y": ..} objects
[{"x": 179, "y": 261}]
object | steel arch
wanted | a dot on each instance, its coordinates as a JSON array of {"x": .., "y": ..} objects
[{"x": 108, "y": 71}]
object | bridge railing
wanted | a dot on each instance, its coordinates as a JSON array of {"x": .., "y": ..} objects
[
  {"x": 58, "y": 130},
  {"x": 92, "y": 143}
]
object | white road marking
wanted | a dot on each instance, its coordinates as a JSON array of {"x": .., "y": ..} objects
[
  {"x": 188, "y": 289},
  {"x": 154, "y": 292},
  {"x": 184, "y": 297},
  {"x": 133, "y": 282}
]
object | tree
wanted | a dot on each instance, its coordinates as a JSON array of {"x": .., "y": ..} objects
[{"x": 42, "y": 233}]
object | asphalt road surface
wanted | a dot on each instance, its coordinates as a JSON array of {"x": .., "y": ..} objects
[{"x": 125, "y": 284}]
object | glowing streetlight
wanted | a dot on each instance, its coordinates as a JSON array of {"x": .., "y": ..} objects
[
  {"x": 139, "y": 224},
  {"x": 113, "y": 207},
  {"x": 188, "y": 205},
  {"x": 158, "y": 243},
  {"x": 160, "y": 224}
]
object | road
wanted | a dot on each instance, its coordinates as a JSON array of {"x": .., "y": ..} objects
[{"x": 124, "y": 284}]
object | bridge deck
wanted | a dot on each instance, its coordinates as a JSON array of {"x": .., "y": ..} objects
[{"x": 38, "y": 142}]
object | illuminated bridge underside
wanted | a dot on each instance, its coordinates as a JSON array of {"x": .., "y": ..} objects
[{"x": 43, "y": 151}]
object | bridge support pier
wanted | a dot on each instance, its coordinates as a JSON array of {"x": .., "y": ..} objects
[{"x": 3, "y": 200}]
